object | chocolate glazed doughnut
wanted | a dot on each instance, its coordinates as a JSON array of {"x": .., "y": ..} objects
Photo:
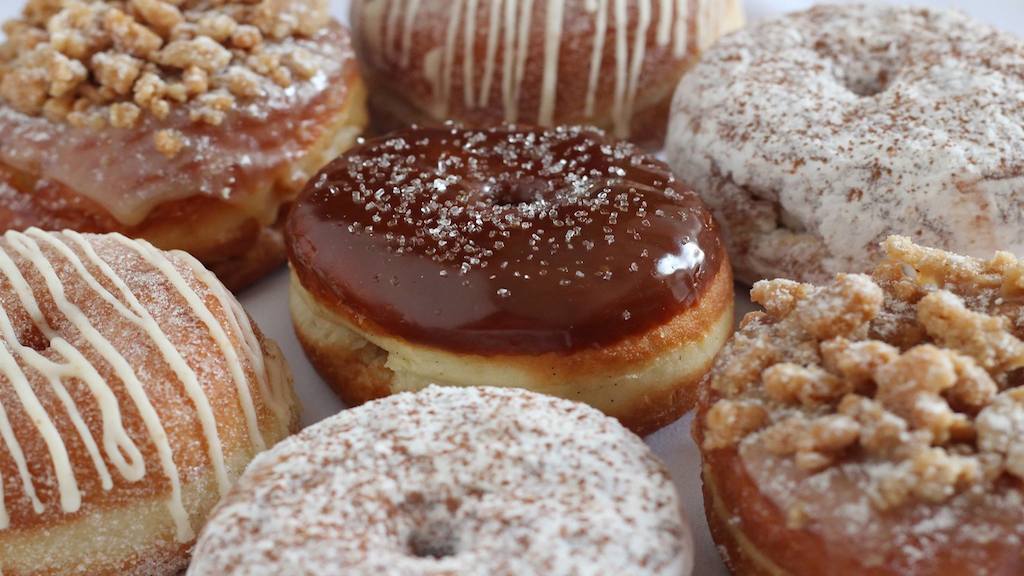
[{"x": 559, "y": 261}]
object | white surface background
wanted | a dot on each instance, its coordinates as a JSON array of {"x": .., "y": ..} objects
[{"x": 267, "y": 302}]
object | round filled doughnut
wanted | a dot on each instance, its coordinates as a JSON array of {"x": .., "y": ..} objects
[
  {"x": 873, "y": 425},
  {"x": 191, "y": 124},
  {"x": 815, "y": 136},
  {"x": 453, "y": 481},
  {"x": 557, "y": 260},
  {"x": 609, "y": 63},
  {"x": 133, "y": 392}
]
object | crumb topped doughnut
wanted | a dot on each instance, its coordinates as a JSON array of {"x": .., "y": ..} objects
[
  {"x": 608, "y": 63},
  {"x": 133, "y": 392},
  {"x": 456, "y": 482},
  {"x": 875, "y": 424},
  {"x": 815, "y": 136},
  {"x": 557, "y": 260},
  {"x": 190, "y": 123}
]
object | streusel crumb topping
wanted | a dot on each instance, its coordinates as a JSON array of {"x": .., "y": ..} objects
[
  {"x": 913, "y": 375},
  {"x": 100, "y": 63}
]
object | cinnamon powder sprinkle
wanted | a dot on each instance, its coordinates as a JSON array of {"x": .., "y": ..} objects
[
  {"x": 914, "y": 374},
  {"x": 99, "y": 63}
]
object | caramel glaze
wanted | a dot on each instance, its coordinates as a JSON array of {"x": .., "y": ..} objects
[{"x": 509, "y": 240}]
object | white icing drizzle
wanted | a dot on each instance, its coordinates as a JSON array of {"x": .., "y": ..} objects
[
  {"x": 448, "y": 57},
  {"x": 118, "y": 446},
  {"x": 410, "y": 17},
  {"x": 552, "y": 45},
  {"x": 141, "y": 317},
  {"x": 508, "y": 26},
  {"x": 600, "y": 8},
  {"x": 67, "y": 485},
  {"x": 493, "y": 35},
  {"x": 682, "y": 35},
  {"x": 468, "y": 48},
  {"x": 220, "y": 336}
]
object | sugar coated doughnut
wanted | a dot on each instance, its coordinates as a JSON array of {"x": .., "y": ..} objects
[
  {"x": 453, "y": 481},
  {"x": 133, "y": 392},
  {"x": 815, "y": 136}
]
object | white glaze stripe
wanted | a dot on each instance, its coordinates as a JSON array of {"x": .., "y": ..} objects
[
  {"x": 67, "y": 485},
  {"x": 141, "y": 317},
  {"x": 468, "y": 49},
  {"x": 597, "y": 55},
  {"x": 522, "y": 50},
  {"x": 117, "y": 444},
  {"x": 410, "y": 18},
  {"x": 54, "y": 373},
  {"x": 635, "y": 66},
  {"x": 682, "y": 35},
  {"x": 665, "y": 22},
  {"x": 508, "y": 27},
  {"x": 552, "y": 46},
  {"x": 161, "y": 263},
  {"x": 277, "y": 400},
  {"x": 493, "y": 35},
  {"x": 448, "y": 59},
  {"x": 124, "y": 371}
]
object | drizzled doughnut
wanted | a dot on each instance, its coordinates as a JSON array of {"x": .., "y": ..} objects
[
  {"x": 609, "y": 63},
  {"x": 133, "y": 392},
  {"x": 815, "y": 136},
  {"x": 190, "y": 123},
  {"x": 873, "y": 425},
  {"x": 453, "y": 481},
  {"x": 556, "y": 260}
]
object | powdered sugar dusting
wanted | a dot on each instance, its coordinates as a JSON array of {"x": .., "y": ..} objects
[
  {"x": 453, "y": 481},
  {"x": 814, "y": 136}
]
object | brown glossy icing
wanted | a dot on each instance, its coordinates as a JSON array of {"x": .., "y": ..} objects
[{"x": 509, "y": 240}]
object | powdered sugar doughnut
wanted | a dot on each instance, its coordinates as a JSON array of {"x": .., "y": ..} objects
[
  {"x": 815, "y": 136},
  {"x": 453, "y": 481}
]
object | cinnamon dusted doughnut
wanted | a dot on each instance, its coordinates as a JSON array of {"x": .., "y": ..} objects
[
  {"x": 192, "y": 124},
  {"x": 815, "y": 136},
  {"x": 609, "y": 63},
  {"x": 873, "y": 425},
  {"x": 454, "y": 482},
  {"x": 133, "y": 392},
  {"x": 555, "y": 260}
]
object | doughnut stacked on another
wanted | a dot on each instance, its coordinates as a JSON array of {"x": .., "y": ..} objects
[
  {"x": 133, "y": 392},
  {"x": 815, "y": 136},
  {"x": 873, "y": 425},
  {"x": 190, "y": 123},
  {"x": 556, "y": 260},
  {"x": 609, "y": 63},
  {"x": 472, "y": 481}
]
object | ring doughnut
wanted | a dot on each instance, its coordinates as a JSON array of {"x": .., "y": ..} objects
[
  {"x": 453, "y": 481},
  {"x": 191, "y": 124},
  {"x": 815, "y": 136},
  {"x": 133, "y": 392},
  {"x": 608, "y": 63},
  {"x": 874, "y": 424},
  {"x": 556, "y": 260}
]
